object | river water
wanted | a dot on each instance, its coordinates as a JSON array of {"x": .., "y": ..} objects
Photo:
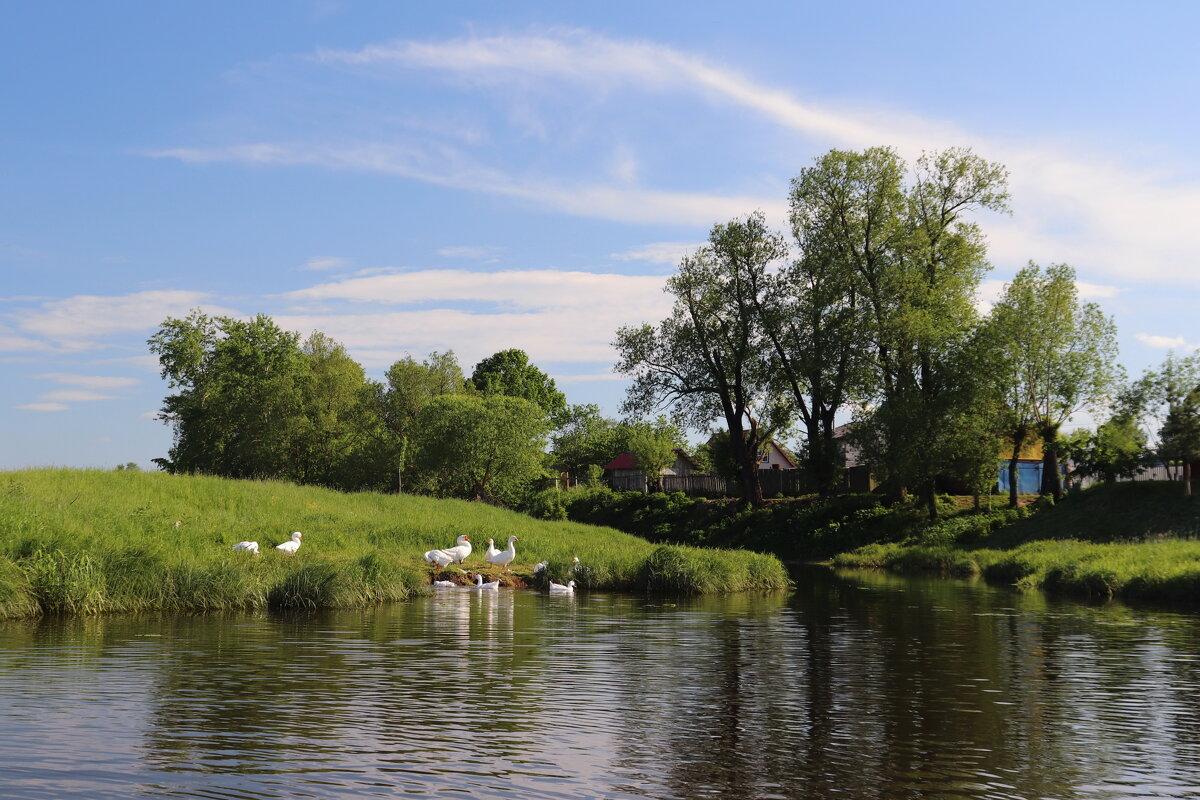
[{"x": 855, "y": 686}]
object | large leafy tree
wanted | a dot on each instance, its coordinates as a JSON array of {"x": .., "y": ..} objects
[
  {"x": 1179, "y": 437},
  {"x": 396, "y": 402},
  {"x": 1062, "y": 356},
  {"x": 335, "y": 414},
  {"x": 708, "y": 360},
  {"x": 917, "y": 258},
  {"x": 480, "y": 447},
  {"x": 239, "y": 406},
  {"x": 812, "y": 316},
  {"x": 1160, "y": 391},
  {"x": 509, "y": 372}
]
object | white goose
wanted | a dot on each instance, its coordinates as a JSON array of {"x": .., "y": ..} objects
[
  {"x": 444, "y": 584},
  {"x": 491, "y": 550},
  {"x": 539, "y": 566},
  {"x": 292, "y": 546},
  {"x": 459, "y": 553},
  {"x": 505, "y": 557},
  {"x": 479, "y": 584},
  {"x": 249, "y": 547},
  {"x": 558, "y": 588}
]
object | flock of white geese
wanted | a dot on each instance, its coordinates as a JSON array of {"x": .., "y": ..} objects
[
  {"x": 444, "y": 558},
  {"x": 500, "y": 558}
]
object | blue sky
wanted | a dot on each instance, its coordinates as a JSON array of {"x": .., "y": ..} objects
[{"x": 478, "y": 176}]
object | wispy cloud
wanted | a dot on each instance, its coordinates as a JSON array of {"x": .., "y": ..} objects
[
  {"x": 658, "y": 252},
  {"x": 554, "y": 315},
  {"x": 44, "y": 407},
  {"x": 89, "y": 381},
  {"x": 82, "y": 322},
  {"x": 1165, "y": 342},
  {"x": 324, "y": 263},
  {"x": 440, "y": 167},
  {"x": 1090, "y": 209},
  {"x": 74, "y": 396},
  {"x": 469, "y": 251}
]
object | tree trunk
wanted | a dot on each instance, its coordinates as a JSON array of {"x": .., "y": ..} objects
[
  {"x": 1051, "y": 484},
  {"x": 1013, "y": 473},
  {"x": 930, "y": 492},
  {"x": 1187, "y": 478}
]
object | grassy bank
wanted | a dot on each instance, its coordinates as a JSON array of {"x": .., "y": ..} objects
[
  {"x": 1132, "y": 540},
  {"x": 1136, "y": 540},
  {"x": 85, "y": 541}
]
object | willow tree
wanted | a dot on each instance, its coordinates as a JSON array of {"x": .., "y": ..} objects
[
  {"x": 708, "y": 359},
  {"x": 1063, "y": 355}
]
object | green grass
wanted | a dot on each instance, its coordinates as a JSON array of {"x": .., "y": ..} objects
[
  {"x": 1134, "y": 540},
  {"x": 89, "y": 541}
]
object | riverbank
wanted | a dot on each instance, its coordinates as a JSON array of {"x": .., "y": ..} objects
[
  {"x": 1134, "y": 540},
  {"x": 90, "y": 541}
]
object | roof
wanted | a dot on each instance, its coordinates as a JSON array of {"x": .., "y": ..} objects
[
  {"x": 783, "y": 453},
  {"x": 623, "y": 461},
  {"x": 627, "y": 461}
]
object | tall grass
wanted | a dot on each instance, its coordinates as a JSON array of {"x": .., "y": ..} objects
[{"x": 89, "y": 541}]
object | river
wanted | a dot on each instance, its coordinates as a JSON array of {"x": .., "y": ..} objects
[{"x": 854, "y": 686}]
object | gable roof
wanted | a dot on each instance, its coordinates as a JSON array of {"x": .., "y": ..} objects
[
  {"x": 623, "y": 461},
  {"x": 627, "y": 461},
  {"x": 783, "y": 453}
]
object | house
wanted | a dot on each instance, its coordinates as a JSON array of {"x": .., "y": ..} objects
[
  {"x": 772, "y": 456},
  {"x": 623, "y": 472}
]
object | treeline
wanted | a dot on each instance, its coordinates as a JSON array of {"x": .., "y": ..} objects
[
  {"x": 251, "y": 400},
  {"x": 870, "y": 311}
]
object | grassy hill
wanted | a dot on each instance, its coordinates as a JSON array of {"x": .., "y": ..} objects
[{"x": 89, "y": 541}]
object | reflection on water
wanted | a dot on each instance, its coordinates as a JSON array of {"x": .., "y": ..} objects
[{"x": 857, "y": 686}]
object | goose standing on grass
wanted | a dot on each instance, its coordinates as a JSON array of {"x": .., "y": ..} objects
[
  {"x": 479, "y": 584},
  {"x": 249, "y": 547},
  {"x": 491, "y": 550},
  {"x": 539, "y": 566},
  {"x": 292, "y": 546},
  {"x": 574, "y": 563},
  {"x": 505, "y": 557},
  {"x": 459, "y": 553},
  {"x": 558, "y": 588}
]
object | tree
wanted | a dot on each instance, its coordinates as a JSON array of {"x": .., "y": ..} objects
[
  {"x": 916, "y": 261},
  {"x": 585, "y": 438},
  {"x": 480, "y": 447},
  {"x": 509, "y": 372},
  {"x": 1179, "y": 436},
  {"x": 1115, "y": 450},
  {"x": 812, "y": 317},
  {"x": 333, "y": 396},
  {"x": 653, "y": 450},
  {"x": 239, "y": 408},
  {"x": 707, "y": 360},
  {"x": 1062, "y": 353},
  {"x": 407, "y": 387},
  {"x": 1161, "y": 390}
]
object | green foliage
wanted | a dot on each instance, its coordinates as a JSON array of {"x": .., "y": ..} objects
[
  {"x": 653, "y": 451},
  {"x": 705, "y": 360},
  {"x": 481, "y": 447},
  {"x": 509, "y": 372},
  {"x": 1117, "y": 449},
  {"x": 1180, "y": 434},
  {"x": 86, "y": 542}
]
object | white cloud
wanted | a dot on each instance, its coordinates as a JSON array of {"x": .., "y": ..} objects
[
  {"x": 77, "y": 323},
  {"x": 1165, "y": 342},
  {"x": 1092, "y": 210},
  {"x": 469, "y": 251},
  {"x": 439, "y": 167},
  {"x": 517, "y": 289},
  {"x": 74, "y": 396},
  {"x": 659, "y": 252},
  {"x": 44, "y": 407},
  {"x": 1096, "y": 291},
  {"x": 90, "y": 381},
  {"x": 596, "y": 377},
  {"x": 324, "y": 263}
]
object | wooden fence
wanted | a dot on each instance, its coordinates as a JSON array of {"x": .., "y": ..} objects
[{"x": 787, "y": 483}]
